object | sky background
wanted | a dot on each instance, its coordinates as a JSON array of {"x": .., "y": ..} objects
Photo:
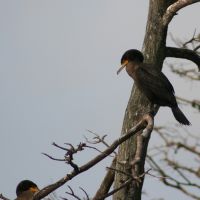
[{"x": 58, "y": 63}]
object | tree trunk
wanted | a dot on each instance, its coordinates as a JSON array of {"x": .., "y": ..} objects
[{"x": 138, "y": 105}]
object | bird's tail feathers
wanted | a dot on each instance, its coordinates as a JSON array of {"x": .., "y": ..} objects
[{"x": 180, "y": 117}]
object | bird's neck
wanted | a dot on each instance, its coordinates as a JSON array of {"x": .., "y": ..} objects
[{"x": 131, "y": 68}]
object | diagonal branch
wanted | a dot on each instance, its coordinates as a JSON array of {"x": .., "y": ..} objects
[
  {"x": 183, "y": 53},
  {"x": 107, "y": 182},
  {"x": 174, "y": 8},
  {"x": 47, "y": 190},
  {"x": 127, "y": 182}
]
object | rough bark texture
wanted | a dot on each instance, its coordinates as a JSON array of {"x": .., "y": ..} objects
[{"x": 154, "y": 52}]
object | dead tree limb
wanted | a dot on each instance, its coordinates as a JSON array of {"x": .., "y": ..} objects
[
  {"x": 183, "y": 53},
  {"x": 174, "y": 8},
  {"x": 181, "y": 175},
  {"x": 50, "y": 188}
]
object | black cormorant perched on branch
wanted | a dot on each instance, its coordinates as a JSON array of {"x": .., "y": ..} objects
[
  {"x": 151, "y": 82},
  {"x": 25, "y": 190}
]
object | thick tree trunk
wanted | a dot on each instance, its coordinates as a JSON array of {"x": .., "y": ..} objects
[{"x": 138, "y": 105}]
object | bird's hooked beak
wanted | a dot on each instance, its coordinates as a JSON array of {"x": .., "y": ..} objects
[{"x": 122, "y": 67}]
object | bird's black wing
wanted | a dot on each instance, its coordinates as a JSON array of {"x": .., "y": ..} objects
[{"x": 155, "y": 85}]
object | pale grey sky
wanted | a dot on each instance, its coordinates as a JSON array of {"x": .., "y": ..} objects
[{"x": 58, "y": 62}]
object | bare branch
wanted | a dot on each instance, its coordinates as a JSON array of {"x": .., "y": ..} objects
[
  {"x": 173, "y": 182},
  {"x": 193, "y": 42},
  {"x": 52, "y": 158},
  {"x": 58, "y": 146},
  {"x": 140, "y": 143},
  {"x": 127, "y": 182},
  {"x": 90, "y": 147},
  {"x": 197, "y": 48},
  {"x": 71, "y": 193},
  {"x": 174, "y": 8},
  {"x": 178, "y": 166},
  {"x": 97, "y": 139},
  {"x": 117, "y": 189},
  {"x": 158, "y": 177},
  {"x": 47, "y": 190},
  {"x": 107, "y": 182},
  {"x": 185, "y": 174},
  {"x": 119, "y": 171},
  {"x": 191, "y": 74},
  {"x": 69, "y": 153},
  {"x": 190, "y": 40},
  {"x": 193, "y": 103},
  {"x": 183, "y": 53},
  {"x": 86, "y": 194}
]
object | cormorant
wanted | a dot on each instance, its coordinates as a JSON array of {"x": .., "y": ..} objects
[
  {"x": 25, "y": 190},
  {"x": 151, "y": 82}
]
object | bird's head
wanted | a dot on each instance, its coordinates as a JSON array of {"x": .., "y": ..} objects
[
  {"x": 132, "y": 55},
  {"x": 26, "y": 185}
]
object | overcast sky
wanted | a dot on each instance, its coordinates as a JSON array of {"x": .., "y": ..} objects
[{"x": 58, "y": 63}]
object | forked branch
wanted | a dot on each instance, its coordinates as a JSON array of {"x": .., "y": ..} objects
[
  {"x": 183, "y": 53},
  {"x": 174, "y": 8},
  {"x": 47, "y": 190}
]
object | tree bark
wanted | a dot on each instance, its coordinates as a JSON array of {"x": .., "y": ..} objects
[{"x": 138, "y": 105}]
